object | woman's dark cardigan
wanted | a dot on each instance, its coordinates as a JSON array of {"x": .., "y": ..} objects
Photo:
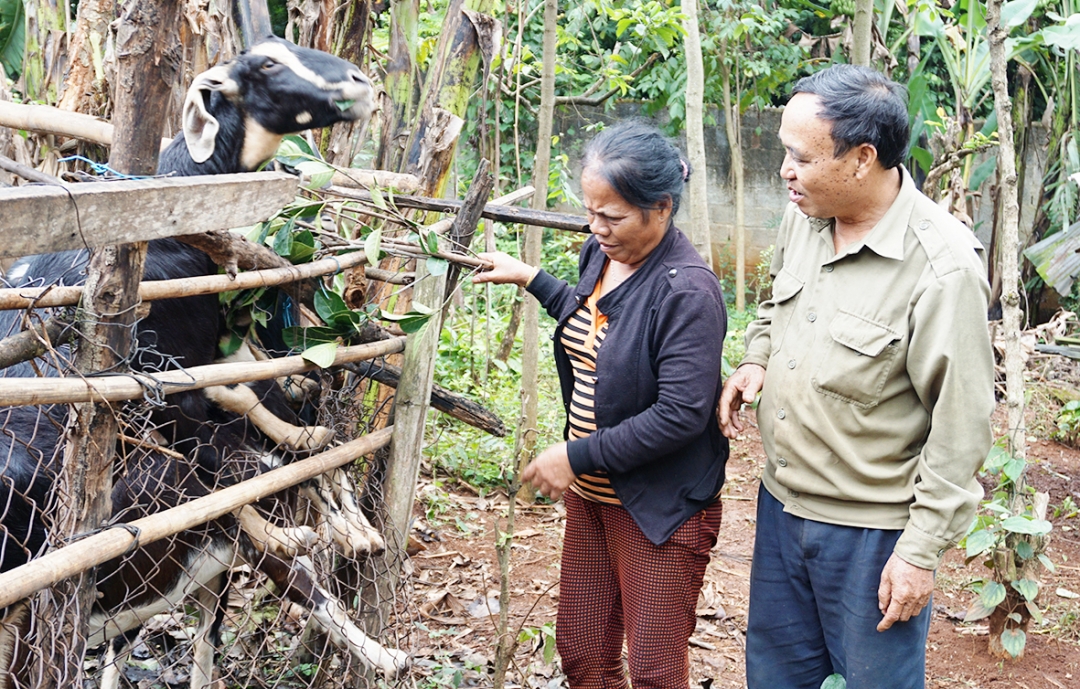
[{"x": 657, "y": 383}]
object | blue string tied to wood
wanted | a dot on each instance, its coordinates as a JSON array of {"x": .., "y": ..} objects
[{"x": 101, "y": 168}]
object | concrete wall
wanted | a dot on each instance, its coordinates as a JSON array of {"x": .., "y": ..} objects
[{"x": 766, "y": 194}]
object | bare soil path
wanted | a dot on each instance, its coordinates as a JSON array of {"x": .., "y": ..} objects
[{"x": 457, "y": 572}]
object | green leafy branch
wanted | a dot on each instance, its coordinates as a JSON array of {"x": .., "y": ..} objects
[{"x": 1010, "y": 536}]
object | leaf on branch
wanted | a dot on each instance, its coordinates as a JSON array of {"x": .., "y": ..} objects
[
  {"x": 1046, "y": 562},
  {"x": 437, "y": 266},
  {"x": 318, "y": 173},
  {"x": 432, "y": 242},
  {"x": 304, "y": 338},
  {"x": 1024, "y": 550},
  {"x": 977, "y": 611},
  {"x": 1026, "y": 525},
  {"x": 373, "y": 247},
  {"x": 992, "y": 595},
  {"x": 1034, "y": 611},
  {"x": 321, "y": 355},
  {"x": 979, "y": 542},
  {"x": 996, "y": 459},
  {"x": 1027, "y": 588},
  {"x": 1014, "y": 468},
  {"x": 410, "y": 322},
  {"x": 1013, "y": 641}
]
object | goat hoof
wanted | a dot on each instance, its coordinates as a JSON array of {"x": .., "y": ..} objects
[{"x": 400, "y": 664}]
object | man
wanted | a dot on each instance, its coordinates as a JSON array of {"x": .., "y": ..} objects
[{"x": 876, "y": 378}]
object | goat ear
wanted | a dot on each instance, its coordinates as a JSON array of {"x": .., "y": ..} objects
[{"x": 201, "y": 127}]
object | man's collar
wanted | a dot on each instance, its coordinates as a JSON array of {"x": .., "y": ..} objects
[{"x": 887, "y": 237}]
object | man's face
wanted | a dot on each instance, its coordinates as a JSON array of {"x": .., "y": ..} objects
[{"x": 820, "y": 184}]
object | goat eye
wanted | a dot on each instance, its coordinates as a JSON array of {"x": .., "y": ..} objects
[{"x": 269, "y": 64}]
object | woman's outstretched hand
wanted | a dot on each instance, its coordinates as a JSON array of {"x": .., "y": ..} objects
[{"x": 505, "y": 269}]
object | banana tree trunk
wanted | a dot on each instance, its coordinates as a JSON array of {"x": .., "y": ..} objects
[
  {"x": 45, "y": 55},
  {"x": 400, "y": 83},
  {"x": 85, "y": 89}
]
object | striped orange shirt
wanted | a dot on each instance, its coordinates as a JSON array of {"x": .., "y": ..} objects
[{"x": 581, "y": 337}]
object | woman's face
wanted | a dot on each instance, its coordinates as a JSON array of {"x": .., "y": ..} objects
[{"x": 627, "y": 234}]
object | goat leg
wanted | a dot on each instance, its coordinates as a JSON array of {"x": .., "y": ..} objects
[
  {"x": 297, "y": 583},
  {"x": 242, "y": 400},
  {"x": 14, "y": 634},
  {"x": 210, "y": 599},
  {"x": 287, "y": 542},
  {"x": 345, "y": 492},
  {"x": 333, "y": 497},
  {"x": 116, "y": 652}
]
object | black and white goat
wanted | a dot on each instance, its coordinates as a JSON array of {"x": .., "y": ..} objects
[{"x": 234, "y": 118}]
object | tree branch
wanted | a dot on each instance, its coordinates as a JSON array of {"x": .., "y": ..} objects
[{"x": 598, "y": 100}]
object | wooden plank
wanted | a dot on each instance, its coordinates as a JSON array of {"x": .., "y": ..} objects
[
  {"x": 70, "y": 560},
  {"x": 43, "y": 219},
  {"x": 16, "y": 392}
]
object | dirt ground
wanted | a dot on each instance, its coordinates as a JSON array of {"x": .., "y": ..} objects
[{"x": 457, "y": 574}]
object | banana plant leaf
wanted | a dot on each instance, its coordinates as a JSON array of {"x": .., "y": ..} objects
[{"x": 1057, "y": 259}]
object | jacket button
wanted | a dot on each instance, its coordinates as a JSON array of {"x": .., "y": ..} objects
[
  {"x": 791, "y": 364},
  {"x": 781, "y": 414},
  {"x": 924, "y": 224},
  {"x": 811, "y": 316},
  {"x": 793, "y": 493},
  {"x": 672, "y": 273},
  {"x": 781, "y": 461},
  {"x": 829, "y": 268}
]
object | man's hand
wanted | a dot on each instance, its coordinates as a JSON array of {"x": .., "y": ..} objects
[
  {"x": 741, "y": 388},
  {"x": 904, "y": 591},
  {"x": 550, "y": 473}
]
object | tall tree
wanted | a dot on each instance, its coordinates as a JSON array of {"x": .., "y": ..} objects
[
  {"x": 700, "y": 230},
  {"x": 733, "y": 128},
  {"x": 861, "y": 32},
  {"x": 1009, "y": 268}
]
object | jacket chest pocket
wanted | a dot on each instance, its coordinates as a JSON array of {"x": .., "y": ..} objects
[
  {"x": 786, "y": 287},
  {"x": 856, "y": 360}
]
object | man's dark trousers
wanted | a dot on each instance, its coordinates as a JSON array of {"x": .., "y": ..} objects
[{"x": 814, "y": 607}]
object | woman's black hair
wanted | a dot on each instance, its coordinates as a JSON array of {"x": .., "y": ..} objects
[
  {"x": 865, "y": 107},
  {"x": 639, "y": 163}
]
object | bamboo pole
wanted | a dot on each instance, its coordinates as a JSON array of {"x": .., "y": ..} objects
[
  {"x": 45, "y": 119},
  {"x": 70, "y": 560},
  {"x": 25, "y": 391},
  {"x": 42, "y": 297}
]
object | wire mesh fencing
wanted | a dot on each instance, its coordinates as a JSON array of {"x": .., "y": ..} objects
[{"x": 295, "y": 590}]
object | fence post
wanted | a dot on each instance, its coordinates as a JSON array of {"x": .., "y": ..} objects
[
  {"x": 411, "y": 401},
  {"x": 148, "y": 61}
]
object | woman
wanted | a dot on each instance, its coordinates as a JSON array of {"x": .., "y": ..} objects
[{"x": 638, "y": 350}]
